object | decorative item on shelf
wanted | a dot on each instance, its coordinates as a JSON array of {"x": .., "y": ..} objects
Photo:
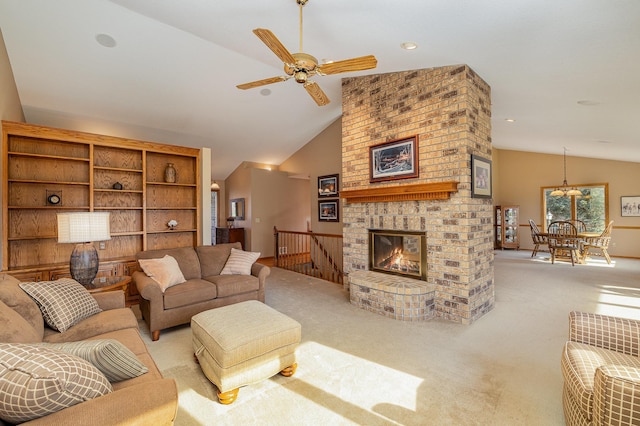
[
  {"x": 170, "y": 174},
  {"x": 83, "y": 228},
  {"x": 54, "y": 197},
  {"x": 172, "y": 224},
  {"x": 564, "y": 190},
  {"x": 231, "y": 222},
  {"x": 117, "y": 186}
]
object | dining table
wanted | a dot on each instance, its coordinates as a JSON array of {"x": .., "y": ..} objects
[{"x": 583, "y": 236}]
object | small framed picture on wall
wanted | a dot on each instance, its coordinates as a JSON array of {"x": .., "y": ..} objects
[
  {"x": 328, "y": 211},
  {"x": 630, "y": 205},
  {"x": 328, "y": 186},
  {"x": 480, "y": 177}
]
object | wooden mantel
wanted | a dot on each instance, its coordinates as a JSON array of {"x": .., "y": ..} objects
[{"x": 420, "y": 191}]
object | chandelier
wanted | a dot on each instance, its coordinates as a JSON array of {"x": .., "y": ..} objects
[{"x": 564, "y": 190}]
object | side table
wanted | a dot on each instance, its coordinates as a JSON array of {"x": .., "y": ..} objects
[{"x": 113, "y": 283}]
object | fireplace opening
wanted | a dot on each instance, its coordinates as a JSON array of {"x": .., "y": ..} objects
[{"x": 398, "y": 252}]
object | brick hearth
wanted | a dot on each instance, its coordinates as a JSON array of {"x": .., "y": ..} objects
[{"x": 392, "y": 296}]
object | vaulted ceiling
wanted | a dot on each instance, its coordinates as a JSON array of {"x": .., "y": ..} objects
[{"x": 166, "y": 70}]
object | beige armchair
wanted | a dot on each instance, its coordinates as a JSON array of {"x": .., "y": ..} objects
[{"x": 601, "y": 370}]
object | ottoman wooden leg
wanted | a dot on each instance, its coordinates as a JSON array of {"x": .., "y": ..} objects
[
  {"x": 290, "y": 371},
  {"x": 228, "y": 397}
]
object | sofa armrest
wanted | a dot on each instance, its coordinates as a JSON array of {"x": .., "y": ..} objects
[
  {"x": 616, "y": 395},
  {"x": 147, "y": 286},
  {"x": 149, "y": 403},
  {"x": 110, "y": 300},
  {"x": 613, "y": 333},
  {"x": 262, "y": 272}
]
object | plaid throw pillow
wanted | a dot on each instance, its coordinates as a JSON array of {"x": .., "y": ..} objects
[
  {"x": 36, "y": 381},
  {"x": 64, "y": 302}
]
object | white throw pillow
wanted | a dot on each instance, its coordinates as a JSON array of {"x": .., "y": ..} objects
[
  {"x": 165, "y": 271},
  {"x": 239, "y": 262}
]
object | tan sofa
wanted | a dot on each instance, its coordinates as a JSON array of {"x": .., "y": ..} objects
[
  {"x": 203, "y": 289},
  {"x": 143, "y": 400},
  {"x": 601, "y": 370}
]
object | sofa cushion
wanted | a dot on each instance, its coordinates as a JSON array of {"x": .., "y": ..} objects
[
  {"x": 111, "y": 357},
  {"x": 41, "y": 381},
  {"x": 213, "y": 258},
  {"x": 64, "y": 302},
  {"x": 185, "y": 256},
  {"x": 95, "y": 325},
  {"x": 230, "y": 285},
  {"x": 165, "y": 271},
  {"x": 579, "y": 364},
  {"x": 15, "y": 298},
  {"x": 239, "y": 262},
  {"x": 189, "y": 293},
  {"x": 16, "y": 329}
]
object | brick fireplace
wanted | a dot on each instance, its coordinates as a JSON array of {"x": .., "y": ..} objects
[{"x": 448, "y": 108}]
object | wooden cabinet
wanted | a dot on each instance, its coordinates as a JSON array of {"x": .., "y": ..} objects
[
  {"x": 506, "y": 227},
  {"x": 47, "y": 171},
  {"x": 230, "y": 235}
]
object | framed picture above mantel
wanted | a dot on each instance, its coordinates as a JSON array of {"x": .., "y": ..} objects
[{"x": 394, "y": 160}]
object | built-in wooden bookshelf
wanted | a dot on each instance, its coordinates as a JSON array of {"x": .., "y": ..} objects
[{"x": 90, "y": 172}]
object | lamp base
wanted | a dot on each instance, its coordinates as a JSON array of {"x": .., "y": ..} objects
[{"x": 84, "y": 263}]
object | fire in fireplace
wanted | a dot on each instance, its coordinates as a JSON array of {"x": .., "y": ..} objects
[{"x": 398, "y": 252}]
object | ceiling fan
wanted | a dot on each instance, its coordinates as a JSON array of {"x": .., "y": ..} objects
[{"x": 301, "y": 66}]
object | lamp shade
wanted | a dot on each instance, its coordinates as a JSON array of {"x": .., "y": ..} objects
[{"x": 82, "y": 227}]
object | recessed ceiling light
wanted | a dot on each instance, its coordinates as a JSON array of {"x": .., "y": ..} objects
[
  {"x": 265, "y": 92},
  {"x": 605, "y": 142},
  {"x": 588, "y": 103},
  {"x": 510, "y": 120},
  {"x": 106, "y": 40},
  {"x": 408, "y": 45}
]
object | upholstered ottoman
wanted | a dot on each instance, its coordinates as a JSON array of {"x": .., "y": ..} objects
[{"x": 244, "y": 343}]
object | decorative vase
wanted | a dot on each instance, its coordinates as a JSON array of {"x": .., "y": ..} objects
[{"x": 170, "y": 173}]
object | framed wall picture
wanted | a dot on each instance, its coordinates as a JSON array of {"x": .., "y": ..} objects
[
  {"x": 328, "y": 211},
  {"x": 480, "y": 177},
  {"x": 328, "y": 186},
  {"x": 630, "y": 206},
  {"x": 394, "y": 160}
]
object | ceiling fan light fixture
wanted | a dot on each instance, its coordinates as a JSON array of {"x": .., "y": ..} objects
[{"x": 300, "y": 76}]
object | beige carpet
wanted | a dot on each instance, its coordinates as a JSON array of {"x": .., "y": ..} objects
[{"x": 356, "y": 367}]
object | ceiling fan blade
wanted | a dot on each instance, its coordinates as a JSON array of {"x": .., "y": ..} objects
[
  {"x": 316, "y": 93},
  {"x": 259, "y": 83},
  {"x": 274, "y": 44},
  {"x": 354, "y": 64}
]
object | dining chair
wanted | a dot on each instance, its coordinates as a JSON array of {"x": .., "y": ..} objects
[
  {"x": 580, "y": 225},
  {"x": 564, "y": 242},
  {"x": 601, "y": 242},
  {"x": 538, "y": 239}
]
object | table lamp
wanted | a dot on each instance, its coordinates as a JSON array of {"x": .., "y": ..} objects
[{"x": 83, "y": 228}]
